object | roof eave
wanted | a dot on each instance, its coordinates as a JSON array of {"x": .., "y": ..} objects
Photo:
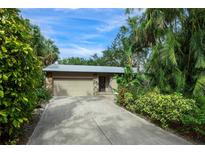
[{"x": 82, "y": 71}]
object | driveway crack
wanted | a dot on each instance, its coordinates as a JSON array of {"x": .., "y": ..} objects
[{"x": 102, "y": 131}]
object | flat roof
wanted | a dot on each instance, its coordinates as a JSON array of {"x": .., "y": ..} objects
[{"x": 84, "y": 69}]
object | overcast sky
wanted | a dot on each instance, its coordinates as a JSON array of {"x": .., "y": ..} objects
[{"x": 78, "y": 32}]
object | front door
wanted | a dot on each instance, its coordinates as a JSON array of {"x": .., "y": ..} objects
[{"x": 102, "y": 80}]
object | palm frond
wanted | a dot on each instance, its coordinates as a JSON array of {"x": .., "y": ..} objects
[{"x": 199, "y": 88}]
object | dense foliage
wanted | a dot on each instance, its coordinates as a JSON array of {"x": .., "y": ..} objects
[
  {"x": 21, "y": 76},
  {"x": 166, "y": 109},
  {"x": 19, "y": 69},
  {"x": 175, "y": 40},
  {"x": 169, "y": 47},
  {"x": 44, "y": 48},
  {"x": 94, "y": 60}
]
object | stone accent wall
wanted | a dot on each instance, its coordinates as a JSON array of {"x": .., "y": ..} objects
[
  {"x": 49, "y": 82},
  {"x": 95, "y": 85}
]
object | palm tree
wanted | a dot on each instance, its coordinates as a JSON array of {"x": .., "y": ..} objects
[{"x": 174, "y": 39}]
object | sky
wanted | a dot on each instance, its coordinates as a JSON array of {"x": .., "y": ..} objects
[{"x": 78, "y": 32}]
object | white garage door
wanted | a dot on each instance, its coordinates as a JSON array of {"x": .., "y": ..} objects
[{"x": 73, "y": 87}]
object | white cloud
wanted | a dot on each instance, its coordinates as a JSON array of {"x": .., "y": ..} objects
[
  {"x": 86, "y": 37},
  {"x": 78, "y": 32},
  {"x": 117, "y": 21},
  {"x": 111, "y": 24},
  {"x": 75, "y": 50}
]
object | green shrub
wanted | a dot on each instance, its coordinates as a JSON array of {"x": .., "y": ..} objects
[
  {"x": 19, "y": 73},
  {"x": 194, "y": 121},
  {"x": 140, "y": 85},
  {"x": 121, "y": 96},
  {"x": 165, "y": 109},
  {"x": 128, "y": 98},
  {"x": 201, "y": 102},
  {"x": 42, "y": 94}
]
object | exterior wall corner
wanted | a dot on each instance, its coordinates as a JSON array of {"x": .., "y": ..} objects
[
  {"x": 95, "y": 84},
  {"x": 49, "y": 82}
]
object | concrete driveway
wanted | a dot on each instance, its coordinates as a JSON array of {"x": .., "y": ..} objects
[{"x": 96, "y": 120}]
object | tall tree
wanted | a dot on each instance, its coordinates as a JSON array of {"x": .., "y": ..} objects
[
  {"x": 175, "y": 40},
  {"x": 44, "y": 48}
]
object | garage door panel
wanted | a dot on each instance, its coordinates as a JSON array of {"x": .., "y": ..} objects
[{"x": 73, "y": 87}]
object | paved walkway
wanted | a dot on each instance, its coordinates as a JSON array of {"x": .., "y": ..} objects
[{"x": 96, "y": 120}]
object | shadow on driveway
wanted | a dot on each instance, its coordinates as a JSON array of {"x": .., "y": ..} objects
[{"x": 96, "y": 120}]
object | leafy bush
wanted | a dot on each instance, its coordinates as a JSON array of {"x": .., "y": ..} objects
[
  {"x": 42, "y": 94},
  {"x": 166, "y": 109},
  {"x": 140, "y": 85},
  {"x": 121, "y": 96},
  {"x": 128, "y": 98},
  {"x": 194, "y": 121},
  {"x": 130, "y": 86},
  {"x": 126, "y": 79},
  {"x": 19, "y": 73}
]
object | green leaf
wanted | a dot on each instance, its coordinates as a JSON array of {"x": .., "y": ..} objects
[
  {"x": 3, "y": 113},
  {"x": 21, "y": 120},
  {"x": 6, "y": 103},
  {"x": 14, "y": 94},
  {"x": 16, "y": 123},
  {"x": 25, "y": 51},
  {"x": 10, "y": 131},
  {"x": 1, "y": 94},
  {"x": 2, "y": 32},
  {"x": 5, "y": 78},
  {"x": 199, "y": 86},
  {"x": 25, "y": 99},
  {"x": 15, "y": 74},
  {"x": 25, "y": 119},
  {"x": 3, "y": 49},
  {"x": 200, "y": 63}
]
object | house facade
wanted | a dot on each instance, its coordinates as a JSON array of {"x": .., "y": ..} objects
[{"x": 81, "y": 80}]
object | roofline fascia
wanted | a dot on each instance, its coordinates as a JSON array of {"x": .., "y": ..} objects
[{"x": 82, "y": 72}]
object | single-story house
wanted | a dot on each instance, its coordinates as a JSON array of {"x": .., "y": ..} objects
[{"x": 81, "y": 80}]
